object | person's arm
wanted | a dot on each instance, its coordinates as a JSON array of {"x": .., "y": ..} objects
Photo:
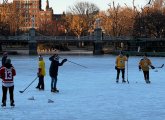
[
  {"x": 14, "y": 71},
  {"x": 116, "y": 61},
  {"x": 140, "y": 66},
  {"x": 116, "y": 64},
  {"x": 150, "y": 64},
  {"x": 3, "y": 61},
  {"x": 62, "y": 62},
  {"x": 51, "y": 58}
]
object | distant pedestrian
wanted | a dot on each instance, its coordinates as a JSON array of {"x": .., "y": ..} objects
[
  {"x": 120, "y": 66},
  {"x": 7, "y": 72},
  {"x": 4, "y": 57},
  {"x": 53, "y": 70},
  {"x": 144, "y": 64},
  {"x": 41, "y": 73}
]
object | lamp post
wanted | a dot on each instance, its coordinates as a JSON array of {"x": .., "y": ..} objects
[{"x": 66, "y": 31}]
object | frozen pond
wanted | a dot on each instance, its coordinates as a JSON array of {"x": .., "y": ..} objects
[{"x": 87, "y": 93}]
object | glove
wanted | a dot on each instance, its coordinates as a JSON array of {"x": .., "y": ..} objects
[
  {"x": 152, "y": 67},
  {"x": 38, "y": 74},
  {"x": 140, "y": 68},
  {"x": 116, "y": 68},
  {"x": 64, "y": 60}
]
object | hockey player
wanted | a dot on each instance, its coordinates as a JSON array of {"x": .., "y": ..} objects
[
  {"x": 53, "y": 71},
  {"x": 120, "y": 66},
  {"x": 41, "y": 73},
  {"x": 7, "y": 72},
  {"x": 144, "y": 64}
]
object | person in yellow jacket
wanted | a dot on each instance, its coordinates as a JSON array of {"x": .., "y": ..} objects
[
  {"x": 144, "y": 64},
  {"x": 120, "y": 66},
  {"x": 41, "y": 73}
]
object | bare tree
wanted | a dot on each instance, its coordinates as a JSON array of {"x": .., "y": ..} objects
[
  {"x": 119, "y": 20},
  {"x": 11, "y": 18},
  {"x": 81, "y": 17}
]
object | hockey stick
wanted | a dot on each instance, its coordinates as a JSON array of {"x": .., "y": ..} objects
[
  {"x": 28, "y": 85},
  {"x": 75, "y": 63},
  {"x": 160, "y": 66},
  {"x": 127, "y": 68}
]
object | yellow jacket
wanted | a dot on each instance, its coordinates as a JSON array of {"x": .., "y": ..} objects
[
  {"x": 120, "y": 61},
  {"x": 41, "y": 65},
  {"x": 144, "y": 64}
]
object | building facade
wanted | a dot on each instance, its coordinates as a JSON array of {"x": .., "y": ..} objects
[{"x": 32, "y": 13}]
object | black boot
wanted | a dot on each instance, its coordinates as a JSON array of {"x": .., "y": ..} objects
[
  {"x": 148, "y": 82},
  {"x": 56, "y": 90},
  {"x": 123, "y": 81},
  {"x": 117, "y": 80},
  {"x": 12, "y": 104},
  {"x": 37, "y": 87},
  {"x": 52, "y": 90},
  {"x": 3, "y": 105}
]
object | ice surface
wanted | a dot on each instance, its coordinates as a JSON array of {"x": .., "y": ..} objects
[{"x": 87, "y": 93}]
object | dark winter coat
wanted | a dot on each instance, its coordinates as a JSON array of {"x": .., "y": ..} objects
[{"x": 53, "y": 70}]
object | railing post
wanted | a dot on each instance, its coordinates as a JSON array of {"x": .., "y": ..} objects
[
  {"x": 32, "y": 42},
  {"x": 98, "y": 42}
]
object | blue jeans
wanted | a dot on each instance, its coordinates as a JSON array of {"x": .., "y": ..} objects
[{"x": 53, "y": 82}]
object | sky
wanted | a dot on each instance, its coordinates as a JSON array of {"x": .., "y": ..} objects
[{"x": 60, "y": 6}]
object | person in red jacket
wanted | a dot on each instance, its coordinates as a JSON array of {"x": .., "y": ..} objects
[{"x": 7, "y": 73}]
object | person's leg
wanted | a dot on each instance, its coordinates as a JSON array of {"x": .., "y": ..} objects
[
  {"x": 11, "y": 91},
  {"x": 55, "y": 83},
  {"x": 123, "y": 75},
  {"x": 4, "y": 96},
  {"x": 42, "y": 82},
  {"x": 117, "y": 77},
  {"x": 38, "y": 86},
  {"x": 147, "y": 77},
  {"x": 144, "y": 73},
  {"x": 52, "y": 84}
]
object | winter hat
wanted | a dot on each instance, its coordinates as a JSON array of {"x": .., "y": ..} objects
[
  {"x": 56, "y": 57},
  {"x": 121, "y": 52},
  {"x": 8, "y": 61},
  {"x": 40, "y": 58}
]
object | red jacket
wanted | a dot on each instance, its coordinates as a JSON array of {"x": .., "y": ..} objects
[{"x": 7, "y": 74}]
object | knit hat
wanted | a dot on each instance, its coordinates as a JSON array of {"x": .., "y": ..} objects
[
  {"x": 121, "y": 52},
  {"x": 40, "y": 58},
  {"x": 8, "y": 61}
]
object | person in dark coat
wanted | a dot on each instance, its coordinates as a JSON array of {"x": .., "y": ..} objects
[{"x": 53, "y": 71}]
